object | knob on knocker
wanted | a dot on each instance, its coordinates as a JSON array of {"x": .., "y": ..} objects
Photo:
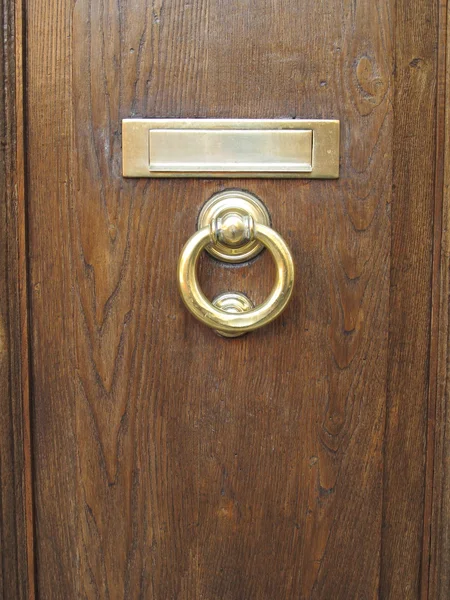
[{"x": 232, "y": 225}]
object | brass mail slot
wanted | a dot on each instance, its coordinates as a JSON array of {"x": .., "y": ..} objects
[
  {"x": 221, "y": 150},
  {"x": 230, "y": 148}
]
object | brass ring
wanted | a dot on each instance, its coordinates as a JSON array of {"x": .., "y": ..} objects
[{"x": 236, "y": 323}]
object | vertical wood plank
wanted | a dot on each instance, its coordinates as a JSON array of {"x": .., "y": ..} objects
[
  {"x": 439, "y": 562},
  {"x": 416, "y": 36},
  {"x": 48, "y": 143},
  {"x": 16, "y": 518}
]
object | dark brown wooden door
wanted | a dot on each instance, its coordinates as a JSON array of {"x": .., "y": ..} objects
[{"x": 166, "y": 462}]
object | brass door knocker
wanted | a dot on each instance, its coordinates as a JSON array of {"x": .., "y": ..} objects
[{"x": 234, "y": 226}]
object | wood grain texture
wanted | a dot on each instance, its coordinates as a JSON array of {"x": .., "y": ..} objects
[
  {"x": 170, "y": 463},
  {"x": 439, "y": 564},
  {"x": 410, "y": 297},
  {"x": 49, "y": 121},
  {"x": 16, "y": 526}
]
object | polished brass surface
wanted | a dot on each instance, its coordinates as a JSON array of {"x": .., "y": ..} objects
[
  {"x": 233, "y": 230},
  {"x": 232, "y": 302},
  {"x": 235, "y": 322},
  {"x": 233, "y": 204},
  {"x": 228, "y": 151},
  {"x": 283, "y": 148}
]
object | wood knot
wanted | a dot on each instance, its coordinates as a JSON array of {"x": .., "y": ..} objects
[{"x": 372, "y": 86}]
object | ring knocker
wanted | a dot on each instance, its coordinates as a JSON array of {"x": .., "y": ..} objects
[{"x": 234, "y": 226}]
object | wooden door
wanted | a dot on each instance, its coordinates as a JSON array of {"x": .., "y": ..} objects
[{"x": 149, "y": 457}]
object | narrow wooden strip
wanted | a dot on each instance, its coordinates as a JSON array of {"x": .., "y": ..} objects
[
  {"x": 437, "y": 551},
  {"x": 23, "y": 288},
  {"x": 430, "y": 498},
  {"x": 16, "y": 506}
]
